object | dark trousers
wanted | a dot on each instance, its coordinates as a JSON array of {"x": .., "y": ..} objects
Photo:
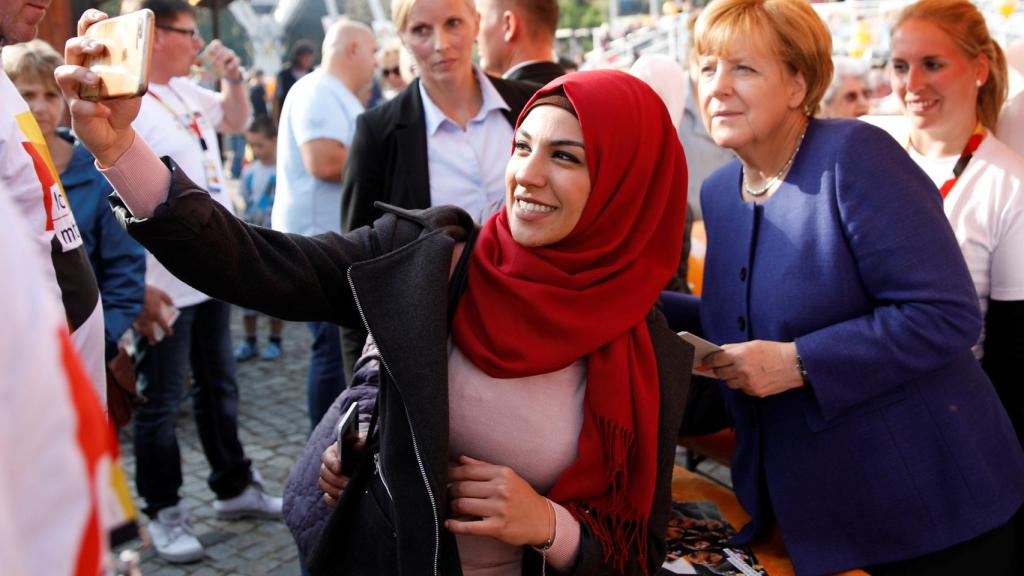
[
  {"x": 201, "y": 340},
  {"x": 326, "y": 377},
  {"x": 994, "y": 553}
]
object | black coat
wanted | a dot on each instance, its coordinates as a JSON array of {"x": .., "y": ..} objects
[
  {"x": 392, "y": 278},
  {"x": 538, "y": 73}
]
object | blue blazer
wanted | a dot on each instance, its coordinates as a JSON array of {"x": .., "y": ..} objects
[{"x": 899, "y": 446}]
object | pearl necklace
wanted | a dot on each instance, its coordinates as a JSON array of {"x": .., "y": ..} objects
[{"x": 778, "y": 175}]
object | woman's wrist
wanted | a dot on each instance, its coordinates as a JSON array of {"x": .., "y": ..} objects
[
  {"x": 550, "y": 533},
  {"x": 801, "y": 369},
  {"x": 109, "y": 156},
  {"x": 799, "y": 372}
]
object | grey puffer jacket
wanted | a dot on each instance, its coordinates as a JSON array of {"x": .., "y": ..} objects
[{"x": 305, "y": 513}]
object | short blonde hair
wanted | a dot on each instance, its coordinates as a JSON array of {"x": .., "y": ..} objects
[
  {"x": 33, "y": 60},
  {"x": 790, "y": 29},
  {"x": 400, "y": 10},
  {"x": 962, "y": 22}
]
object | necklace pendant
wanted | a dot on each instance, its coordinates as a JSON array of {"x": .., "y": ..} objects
[
  {"x": 757, "y": 193},
  {"x": 778, "y": 176}
]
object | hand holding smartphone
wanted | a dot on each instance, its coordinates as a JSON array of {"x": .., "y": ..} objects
[
  {"x": 123, "y": 68},
  {"x": 170, "y": 314}
]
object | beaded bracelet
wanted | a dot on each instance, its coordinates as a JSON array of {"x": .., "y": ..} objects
[{"x": 801, "y": 369}]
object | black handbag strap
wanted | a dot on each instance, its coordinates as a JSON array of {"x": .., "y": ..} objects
[{"x": 457, "y": 284}]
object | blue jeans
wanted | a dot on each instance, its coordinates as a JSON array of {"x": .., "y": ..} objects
[
  {"x": 202, "y": 340},
  {"x": 326, "y": 378},
  {"x": 237, "y": 154}
]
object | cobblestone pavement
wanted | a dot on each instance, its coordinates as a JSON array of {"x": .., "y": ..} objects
[{"x": 273, "y": 426}]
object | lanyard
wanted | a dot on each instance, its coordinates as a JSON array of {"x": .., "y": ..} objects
[
  {"x": 193, "y": 123},
  {"x": 965, "y": 158}
]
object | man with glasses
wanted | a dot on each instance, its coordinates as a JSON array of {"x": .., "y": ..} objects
[{"x": 186, "y": 328}]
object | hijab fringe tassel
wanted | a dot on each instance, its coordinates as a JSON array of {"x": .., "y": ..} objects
[{"x": 612, "y": 518}]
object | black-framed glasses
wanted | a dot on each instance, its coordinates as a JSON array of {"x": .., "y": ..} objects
[
  {"x": 385, "y": 72},
  {"x": 192, "y": 33}
]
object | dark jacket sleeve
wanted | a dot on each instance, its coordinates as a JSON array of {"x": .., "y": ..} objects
[
  {"x": 121, "y": 273},
  {"x": 364, "y": 176},
  {"x": 674, "y": 360},
  {"x": 287, "y": 276}
]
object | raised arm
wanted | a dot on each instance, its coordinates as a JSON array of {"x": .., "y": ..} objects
[{"x": 289, "y": 277}]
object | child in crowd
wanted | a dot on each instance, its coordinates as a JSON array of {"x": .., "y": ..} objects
[{"x": 258, "y": 181}]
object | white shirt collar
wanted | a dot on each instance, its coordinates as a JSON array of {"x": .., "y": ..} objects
[{"x": 492, "y": 100}]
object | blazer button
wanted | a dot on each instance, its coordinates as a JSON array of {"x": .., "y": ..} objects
[
  {"x": 743, "y": 274},
  {"x": 741, "y": 323}
]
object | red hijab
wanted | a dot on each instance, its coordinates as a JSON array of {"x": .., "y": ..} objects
[{"x": 529, "y": 311}]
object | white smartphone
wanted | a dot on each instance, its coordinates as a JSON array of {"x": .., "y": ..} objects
[
  {"x": 170, "y": 314},
  {"x": 701, "y": 350}
]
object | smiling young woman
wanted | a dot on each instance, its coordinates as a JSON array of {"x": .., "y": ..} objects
[
  {"x": 547, "y": 179},
  {"x": 951, "y": 78}
]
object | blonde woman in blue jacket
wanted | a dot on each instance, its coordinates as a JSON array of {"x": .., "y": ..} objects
[{"x": 865, "y": 427}]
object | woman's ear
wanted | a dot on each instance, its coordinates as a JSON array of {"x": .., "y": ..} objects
[
  {"x": 798, "y": 90},
  {"x": 982, "y": 67}
]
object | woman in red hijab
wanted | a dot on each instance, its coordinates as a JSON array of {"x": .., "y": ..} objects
[
  {"x": 566, "y": 276},
  {"x": 530, "y": 393}
]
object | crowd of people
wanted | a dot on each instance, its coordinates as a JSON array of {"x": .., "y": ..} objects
[{"x": 490, "y": 254}]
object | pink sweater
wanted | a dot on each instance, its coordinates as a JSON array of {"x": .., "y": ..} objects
[{"x": 531, "y": 425}]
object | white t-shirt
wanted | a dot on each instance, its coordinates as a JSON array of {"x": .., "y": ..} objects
[
  {"x": 30, "y": 180},
  {"x": 165, "y": 124},
  {"x": 60, "y": 478},
  {"x": 318, "y": 106},
  {"x": 1010, "y": 129},
  {"x": 986, "y": 210}
]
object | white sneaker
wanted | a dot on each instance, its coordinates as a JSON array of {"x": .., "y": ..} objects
[
  {"x": 173, "y": 538},
  {"x": 253, "y": 502}
]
